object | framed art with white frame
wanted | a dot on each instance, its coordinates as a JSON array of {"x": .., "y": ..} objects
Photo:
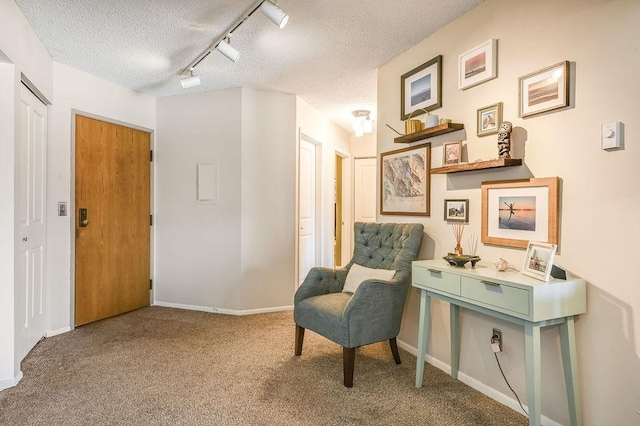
[
  {"x": 518, "y": 211},
  {"x": 421, "y": 88},
  {"x": 544, "y": 90},
  {"x": 451, "y": 153},
  {"x": 489, "y": 119},
  {"x": 539, "y": 260},
  {"x": 478, "y": 65}
]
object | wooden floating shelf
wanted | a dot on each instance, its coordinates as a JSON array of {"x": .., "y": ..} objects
[
  {"x": 429, "y": 132},
  {"x": 480, "y": 165}
]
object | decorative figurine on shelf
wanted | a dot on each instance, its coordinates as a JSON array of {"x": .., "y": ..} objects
[{"x": 504, "y": 140}]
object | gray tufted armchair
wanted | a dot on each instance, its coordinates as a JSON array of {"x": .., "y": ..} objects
[{"x": 374, "y": 311}]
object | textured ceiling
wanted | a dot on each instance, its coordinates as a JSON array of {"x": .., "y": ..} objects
[{"x": 327, "y": 54}]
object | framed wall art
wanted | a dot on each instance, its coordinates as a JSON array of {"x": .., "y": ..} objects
[
  {"x": 405, "y": 181},
  {"x": 456, "y": 210},
  {"x": 489, "y": 119},
  {"x": 421, "y": 88},
  {"x": 516, "y": 212},
  {"x": 544, "y": 90},
  {"x": 451, "y": 153},
  {"x": 539, "y": 260},
  {"x": 478, "y": 65}
]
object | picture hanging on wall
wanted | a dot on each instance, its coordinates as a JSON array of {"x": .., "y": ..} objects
[
  {"x": 516, "y": 212},
  {"x": 544, "y": 90},
  {"x": 456, "y": 210},
  {"x": 405, "y": 181},
  {"x": 478, "y": 65},
  {"x": 539, "y": 260},
  {"x": 451, "y": 153},
  {"x": 489, "y": 119},
  {"x": 421, "y": 88}
]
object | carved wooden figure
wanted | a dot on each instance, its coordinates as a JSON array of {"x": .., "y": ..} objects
[{"x": 504, "y": 140}]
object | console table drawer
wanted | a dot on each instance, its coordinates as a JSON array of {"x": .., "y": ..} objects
[
  {"x": 501, "y": 296},
  {"x": 437, "y": 280}
]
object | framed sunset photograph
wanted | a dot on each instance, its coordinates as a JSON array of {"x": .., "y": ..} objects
[
  {"x": 478, "y": 65},
  {"x": 516, "y": 212},
  {"x": 544, "y": 90}
]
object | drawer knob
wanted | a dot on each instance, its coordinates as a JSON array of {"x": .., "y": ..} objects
[{"x": 490, "y": 283}]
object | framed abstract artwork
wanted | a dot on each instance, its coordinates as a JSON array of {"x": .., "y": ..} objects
[{"x": 405, "y": 181}]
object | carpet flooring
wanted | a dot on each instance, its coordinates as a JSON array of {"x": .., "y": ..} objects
[{"x": 163, "y": 366}]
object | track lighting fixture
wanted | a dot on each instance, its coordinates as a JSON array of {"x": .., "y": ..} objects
[
  {"x": 273, "y": 12},
  {"x": 267, "y": 7},
  {"x": 227, "y": 50},
  {"x": 362, "y": 122},
  {"x": 191, "y": 81}
]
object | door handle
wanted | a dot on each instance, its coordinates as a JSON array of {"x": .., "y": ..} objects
[{"x": 83, "y": 218}]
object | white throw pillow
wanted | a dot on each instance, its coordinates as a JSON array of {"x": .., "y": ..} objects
[{"x": 358, "y": 273}]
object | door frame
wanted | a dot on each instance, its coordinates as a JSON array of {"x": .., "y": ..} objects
[
  {"x": 318, "y": 189},
  {"x": 72, "y": 202},
  {"x": 347, "y": 195}
]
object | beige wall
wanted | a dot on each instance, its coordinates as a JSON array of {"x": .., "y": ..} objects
[{"x": 598, "y": 197}]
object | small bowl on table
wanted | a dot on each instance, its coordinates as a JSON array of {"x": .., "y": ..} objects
[{"x": 459, "y": 260}]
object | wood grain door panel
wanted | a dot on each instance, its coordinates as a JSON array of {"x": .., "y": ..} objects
[{"x": 113, "y": 250}]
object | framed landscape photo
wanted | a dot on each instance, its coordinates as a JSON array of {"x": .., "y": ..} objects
[
  {"x": 539, "y": 260},
  {"x": 405, "y": 181},
  {"x": 456, "y": 210},
  {"x": 489, "y": 119},
  {"x": 478, "y": 65},
  {"x": 519, "y": 211},
  {"x": 544, "y": 90},
  {"x": 451, "y": 153},
  {"x": 421, "y": 88}
]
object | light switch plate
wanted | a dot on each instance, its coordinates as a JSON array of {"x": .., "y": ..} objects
[{"x": 611, "y": 136}]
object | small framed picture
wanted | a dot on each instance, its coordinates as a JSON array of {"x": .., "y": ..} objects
[
  {"x": 544, "y": 90},
  {"x": 451, "y": 153},
  {"x": 539, "y": 260},
  {"x": 478, "y": 65},
  {"x": 421, "y": 88},
  {"x": 489, "y": 119},
  {"x": 456, "y": 210}
]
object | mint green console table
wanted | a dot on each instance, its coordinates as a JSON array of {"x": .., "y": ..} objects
[{"x": 513, "y": 297}]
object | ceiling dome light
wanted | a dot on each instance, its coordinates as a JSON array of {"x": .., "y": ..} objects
[
  {"x": 273, "y": 12},
  {"x": 362, "y": 122}
]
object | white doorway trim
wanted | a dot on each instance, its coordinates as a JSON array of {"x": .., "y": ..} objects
[{"x": 302, "y": 137}]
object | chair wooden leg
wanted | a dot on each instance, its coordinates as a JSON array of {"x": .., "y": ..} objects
[
  {"x": 348, "y": 361},
  {"x": 394, "y": 350},
  {"x": 299, "y": 339}
]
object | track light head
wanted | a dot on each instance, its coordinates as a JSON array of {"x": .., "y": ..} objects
[
  {"x": 191, "y": 81},
  {"x": 227, "y": 50},
  {"x": 274, "y": 13}
]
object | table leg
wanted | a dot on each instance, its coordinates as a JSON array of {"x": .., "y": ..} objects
[
  {"x": 423, "y": 329},
  {"x": 570, "y": 365},
  {"x": 532, "y": 364},
  {"x": 454, "y": 321}
]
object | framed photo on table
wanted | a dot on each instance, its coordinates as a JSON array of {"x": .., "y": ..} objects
[
  {"x": 421, "y": 88},
  {"x": 478, "y": 65},
  {"x": 489, "y": 119},
  {"x": 405, "y": 181},
  {"x": 516, "y": 212},
  {"x": 539, "y": 260},
  {"x": 544, "y": 90}
]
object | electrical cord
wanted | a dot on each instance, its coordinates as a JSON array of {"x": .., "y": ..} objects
[{"x": 507, "y": 382}]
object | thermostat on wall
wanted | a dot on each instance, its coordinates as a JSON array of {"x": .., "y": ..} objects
[{"x": 611, "y": 136}]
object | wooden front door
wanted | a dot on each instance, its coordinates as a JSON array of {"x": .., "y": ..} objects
[{"x": 112, "y": 220}]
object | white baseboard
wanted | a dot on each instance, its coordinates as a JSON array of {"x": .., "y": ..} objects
[
  {"x": 6, "y": 384},
  {"x": 476, "y": 384},
  {"x": 51, "y": 333},
  {"x": 223, "y": 311}
]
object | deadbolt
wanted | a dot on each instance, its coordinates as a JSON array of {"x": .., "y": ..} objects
[{"x": 83, "y": 218}]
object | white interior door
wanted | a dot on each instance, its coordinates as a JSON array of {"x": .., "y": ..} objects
[
  {"x": 307, "y": 209},
  {"x": 364, "y": 193},
  {"x": 32, "y": 147}
]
